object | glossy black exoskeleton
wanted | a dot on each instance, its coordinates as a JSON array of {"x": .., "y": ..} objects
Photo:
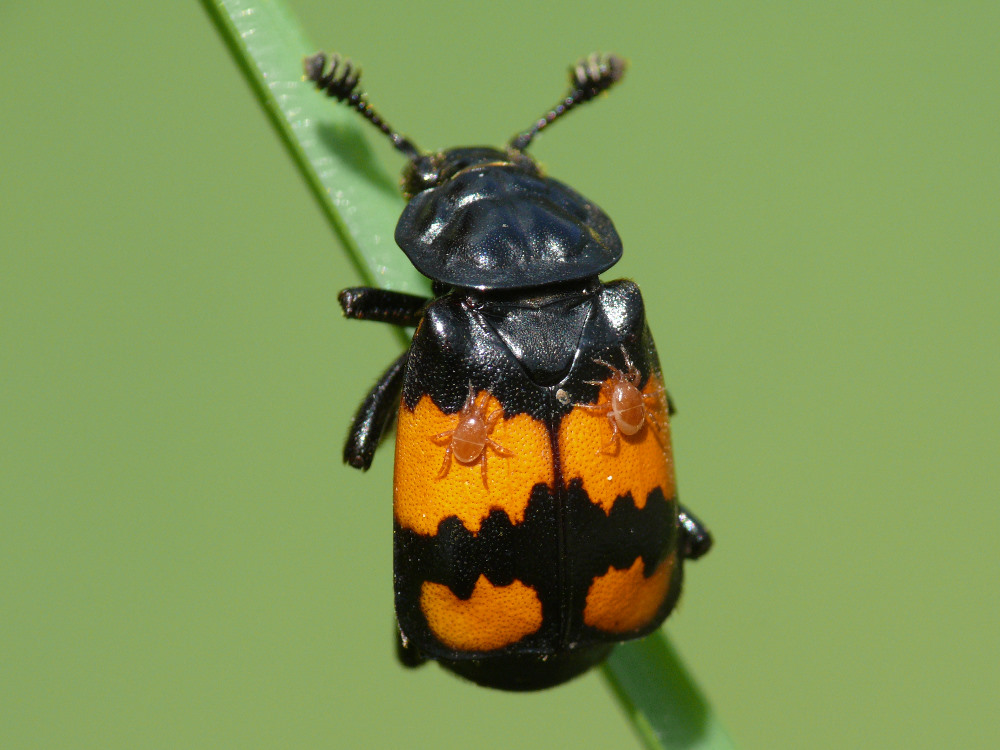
[{"x": 535, "y": 510}]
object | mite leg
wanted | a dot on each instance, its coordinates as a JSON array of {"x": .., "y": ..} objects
[
  {"x": 697, "y": 539},
  {"x": 614, "y": 445},
  {"x": 482, "y": 467},
  {"x": 501, "y": 451},
  {"x": 651, "y": 399},
  {"x": 657, "y": 427},
  {"x": 446, "y": 464},
  {"x": 373, "y": 418},
  {"x": 491, "y": 422},
  {"x": 382, "y": 305},
  {"x": 633, "y": 372}
]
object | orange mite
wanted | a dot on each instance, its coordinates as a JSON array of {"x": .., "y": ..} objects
[
  {"x": 468, "y": 441},
  {"x": 625, "y": 406}
]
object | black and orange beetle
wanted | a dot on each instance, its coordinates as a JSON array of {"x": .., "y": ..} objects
[{"x": 536, "y": 518}]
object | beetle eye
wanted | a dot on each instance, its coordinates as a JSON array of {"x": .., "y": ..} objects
[{"x": 419, "y": 175}]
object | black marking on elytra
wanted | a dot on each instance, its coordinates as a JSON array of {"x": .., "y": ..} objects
[
  {"x": 524, "y": 348},
  {"x": 529, "y": 552}
]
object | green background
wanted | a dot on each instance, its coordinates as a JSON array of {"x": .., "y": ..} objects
[{"x": 809, "y": 195}]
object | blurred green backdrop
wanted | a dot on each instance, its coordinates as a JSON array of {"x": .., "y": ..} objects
[{"x": 809, "y": 195}]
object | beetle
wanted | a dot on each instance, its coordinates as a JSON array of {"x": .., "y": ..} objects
[{"x": 536, "y": 521}]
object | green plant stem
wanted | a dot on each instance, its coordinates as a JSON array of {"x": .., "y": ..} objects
[
  {"x": 362, "y": 204},
  {"x": 359, "y": 200},
  {"x": 665, "y": 706}
]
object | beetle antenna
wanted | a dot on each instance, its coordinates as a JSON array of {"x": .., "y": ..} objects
[
  {"x": 341, "y": 86},
  {"x": 588, "y": 78}
]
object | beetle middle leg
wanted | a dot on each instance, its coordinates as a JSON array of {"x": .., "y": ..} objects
[{"x": 374, "y": 416}]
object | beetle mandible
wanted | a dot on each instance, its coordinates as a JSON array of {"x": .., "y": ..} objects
[{"x": 524, "y": 575}]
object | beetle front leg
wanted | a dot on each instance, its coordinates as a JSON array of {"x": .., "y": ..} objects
[
  {"x": 382, "y": 305},
  {"x": 697, "y": 538}
]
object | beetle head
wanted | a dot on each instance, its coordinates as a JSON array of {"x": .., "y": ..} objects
[
  {"x": 433, "y": 170},
  {"x": 486, "y": 218}
]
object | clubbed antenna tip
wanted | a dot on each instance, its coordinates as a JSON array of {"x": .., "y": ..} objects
[
  {"x": 588, "y": 78},
  {"x": 595, "y": 74},
  {"x": 341, "y": 83}
]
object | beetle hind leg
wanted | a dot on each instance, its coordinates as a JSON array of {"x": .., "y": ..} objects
[
  {"x": 407, "y": 653},
  {"x": 697, "y": 538}
]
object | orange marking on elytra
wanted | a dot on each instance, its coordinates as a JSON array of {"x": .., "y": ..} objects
[
  {"x": 624, "y": 600},
  {"x": 468, "y": 440},
  {"x": 493, "y": 617},
  {"x": 422, "y": 497},
  {"x": 632, "y": 464},
  {"x": 620, "y": 401}
]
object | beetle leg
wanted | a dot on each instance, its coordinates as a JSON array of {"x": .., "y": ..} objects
[
  {"x": 407, "y": 653},
  {"x": 697, "y": 538},
  {"x": 381, "y": 305},
  {"x": 446, "y": 464},
  {"x": 373, "y": 418}
]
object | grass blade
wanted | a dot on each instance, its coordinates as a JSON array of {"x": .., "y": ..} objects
[
  {"x": 665, "y": 706},
  {"x": 362, "y": 204}
]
